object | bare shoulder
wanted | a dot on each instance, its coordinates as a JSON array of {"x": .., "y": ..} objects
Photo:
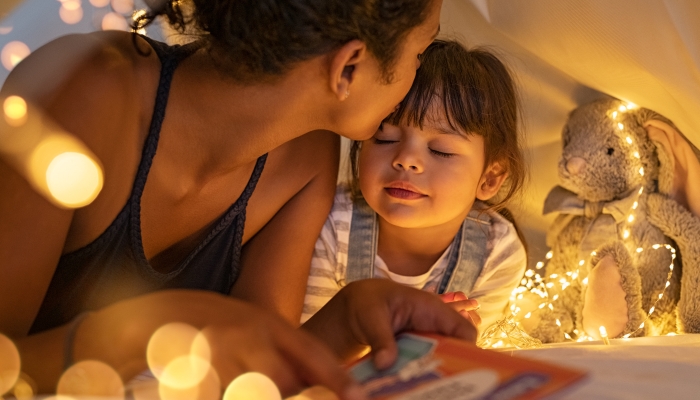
[{"x": 78, "y": 80}]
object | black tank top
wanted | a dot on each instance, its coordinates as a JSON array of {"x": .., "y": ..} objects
[{"x": 114, "y": 267}]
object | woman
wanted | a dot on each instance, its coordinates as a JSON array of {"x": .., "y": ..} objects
[{"x": 232, "y": 200}]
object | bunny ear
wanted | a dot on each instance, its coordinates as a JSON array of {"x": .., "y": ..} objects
[{"x": 680, "y": 166}]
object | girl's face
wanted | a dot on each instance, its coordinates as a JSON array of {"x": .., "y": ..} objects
[
  {"x": 417, "y": 178},
  {"x": 370, "y": 100}
]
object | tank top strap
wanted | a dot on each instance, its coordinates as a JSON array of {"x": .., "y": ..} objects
[{"x": 170, "y": 57}]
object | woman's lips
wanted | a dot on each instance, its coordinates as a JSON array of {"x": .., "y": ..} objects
[{"x": 403, "y": 193}]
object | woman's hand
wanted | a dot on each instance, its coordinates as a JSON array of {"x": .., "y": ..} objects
[
  {"x": 371, "y": 312},
  {"x": 242, "y": 338},
  {"x": 464, "y": 305}
]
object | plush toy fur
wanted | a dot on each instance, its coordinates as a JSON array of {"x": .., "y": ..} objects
[{"x": 612, "y": 284}]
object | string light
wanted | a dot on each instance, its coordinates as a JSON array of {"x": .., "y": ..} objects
[{"x": 534, "y": 284}]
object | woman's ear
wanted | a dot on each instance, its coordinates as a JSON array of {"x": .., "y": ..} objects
[
  {"x": 343, "y": 67},
  {"x": 491, "y": 181}
]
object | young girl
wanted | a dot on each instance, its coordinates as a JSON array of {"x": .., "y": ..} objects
[{"x": 420, "y": 209}]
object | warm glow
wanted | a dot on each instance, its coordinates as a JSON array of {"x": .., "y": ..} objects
[
  {"x": 253, "y": 385},
  {"x": 179, "y": 356},
  {"x": 208, "y": 389},
  {"x": 73, "y": 179},
  {"x": 13, "y": 53},
  {"x": 9, "y": 364},
  {"x": 114, "y": 21},
  {"x": 622, "y": 108},
  {"x": 628, "y": 139},
  {"x": 619, "y": 125},
  {"x": 25, "y": 388},
  {"x": 641, "y": 171},
  {"x": 4, "y": 30},
  {"x": 71, "y": 13},
  {"x": 123, "y": 6},
  {"x": 15, "y": 109},
  {"x": 99, "y": 3},
  {"x": 90, "y": 378}
]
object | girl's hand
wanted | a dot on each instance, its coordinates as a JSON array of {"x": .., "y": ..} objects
[
  {"x": 371, "y": 312},
  {"x": 464, "y": 305}
]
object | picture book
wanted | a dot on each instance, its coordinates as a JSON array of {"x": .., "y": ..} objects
[{"x": 432, "y": 367}]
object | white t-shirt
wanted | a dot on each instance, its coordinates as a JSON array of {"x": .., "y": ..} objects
[{"x": 502, "y": 271}]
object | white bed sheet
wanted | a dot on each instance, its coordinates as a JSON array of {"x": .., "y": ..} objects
[{"x": 662, "y": 367}]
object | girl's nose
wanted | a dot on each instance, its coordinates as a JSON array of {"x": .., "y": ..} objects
[{"x": 405, "y": 161}]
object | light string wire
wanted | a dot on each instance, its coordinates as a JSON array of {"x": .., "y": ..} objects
[{"x": 508, "y": 332}]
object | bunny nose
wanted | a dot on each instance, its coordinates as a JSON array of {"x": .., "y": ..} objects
[{"x": 575, "y": 165}]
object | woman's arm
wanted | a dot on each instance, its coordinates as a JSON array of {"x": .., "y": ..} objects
[{"x": 275, "y": 262}]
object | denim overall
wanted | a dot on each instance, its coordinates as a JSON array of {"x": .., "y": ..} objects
[{"x": 466, "y": 257}]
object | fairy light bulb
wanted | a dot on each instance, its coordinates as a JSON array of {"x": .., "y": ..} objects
[
  {"x": 627, "y": 139},
  {"x": 620, "y": 126},
  {"x": 15, "y": 110},
  {"x": 622, "y": 108},
  {"x": 13, "y": 53}
]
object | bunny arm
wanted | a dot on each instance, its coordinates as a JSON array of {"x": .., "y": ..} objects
[
  {"x": 613, "y": 296},
  {"x": 683, "y": 227}
]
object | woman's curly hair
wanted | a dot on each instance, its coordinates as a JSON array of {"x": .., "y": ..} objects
[{"x": 262, "y": 39}]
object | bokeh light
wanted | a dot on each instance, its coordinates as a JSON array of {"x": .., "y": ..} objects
[
  {"x": 114, "y": 21},
  {"x": 74, "y": 179},
  {"x": 9, "y": 364},
  {"x": 90, "y": 378},
  {"x": 179, "y": 356},
  {"x": 13, "y": 53},
  {"x": 99, "y": 3},
  {"x": 71, "y": 12},
  {"x": 25, "y": 388},
  {"x": 15, "y": 110},
  {"x": 123, "y": 6},
  {"x": 252, "y": 385},
  {"x": 4, "y": 30}
]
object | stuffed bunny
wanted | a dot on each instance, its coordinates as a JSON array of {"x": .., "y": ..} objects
[{"x": 626, "y": 243}]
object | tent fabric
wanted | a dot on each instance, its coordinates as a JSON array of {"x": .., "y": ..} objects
[{"x": 567, "y": 53}]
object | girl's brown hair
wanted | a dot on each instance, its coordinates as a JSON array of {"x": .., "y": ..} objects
[{"x": 478, "y": 97}]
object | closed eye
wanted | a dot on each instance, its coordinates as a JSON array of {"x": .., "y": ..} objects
[
  {"x": 441, "y": 154},
  {"x": 380, "y": 141}
]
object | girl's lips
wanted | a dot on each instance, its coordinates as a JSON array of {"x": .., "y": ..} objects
[{"x": 403, "y": 193}]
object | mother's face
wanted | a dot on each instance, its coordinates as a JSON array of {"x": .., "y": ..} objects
[{"x": 370, "y": 99}]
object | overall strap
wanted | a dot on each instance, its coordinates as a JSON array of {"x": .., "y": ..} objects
[
  {"x": 468, "y": 254},
  {"x": 362, "y": 248}
]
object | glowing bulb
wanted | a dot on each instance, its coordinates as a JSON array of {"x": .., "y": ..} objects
[
  {"x": 651, "y": 310},
  {"x": 585, "y": 281},
  {"x": 641, "y": 171},
  {"x": 622, "y": 108},
  {"x": 9, "y": 364},
  {"x": 90, "y": 378},
  {"x": 114, "y": 21},
  {"x": 74, "y": 179},
  {"x": 639, "y": 249},
  {"x": 549, "y": 255},
  {"x": 635, "y": 205},
  {"x": 528, "y": 315},
  {"x": 254, "y": 385},
  {"x": 614, "y": 114},
  {"x": 539, "y": 265},
  {"x": 671, "y": 334},
  {"x": 581, "y": 262},
  {"x": 630, "y": 218},
  {"x": 15, "y": 109},
  {"x": 13, "y": 53},
  {"x": 628, "y": 139},
  {"x": 626, "y": 234},
  {"x": 636, "y": 154},
  {"x": 558, "y": 322},
  {"x": 604, "y": 334},
  {"x": 631, "y": 106}
]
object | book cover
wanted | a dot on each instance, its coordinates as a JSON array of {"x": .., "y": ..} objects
[{"x": 434, "y": 367}]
